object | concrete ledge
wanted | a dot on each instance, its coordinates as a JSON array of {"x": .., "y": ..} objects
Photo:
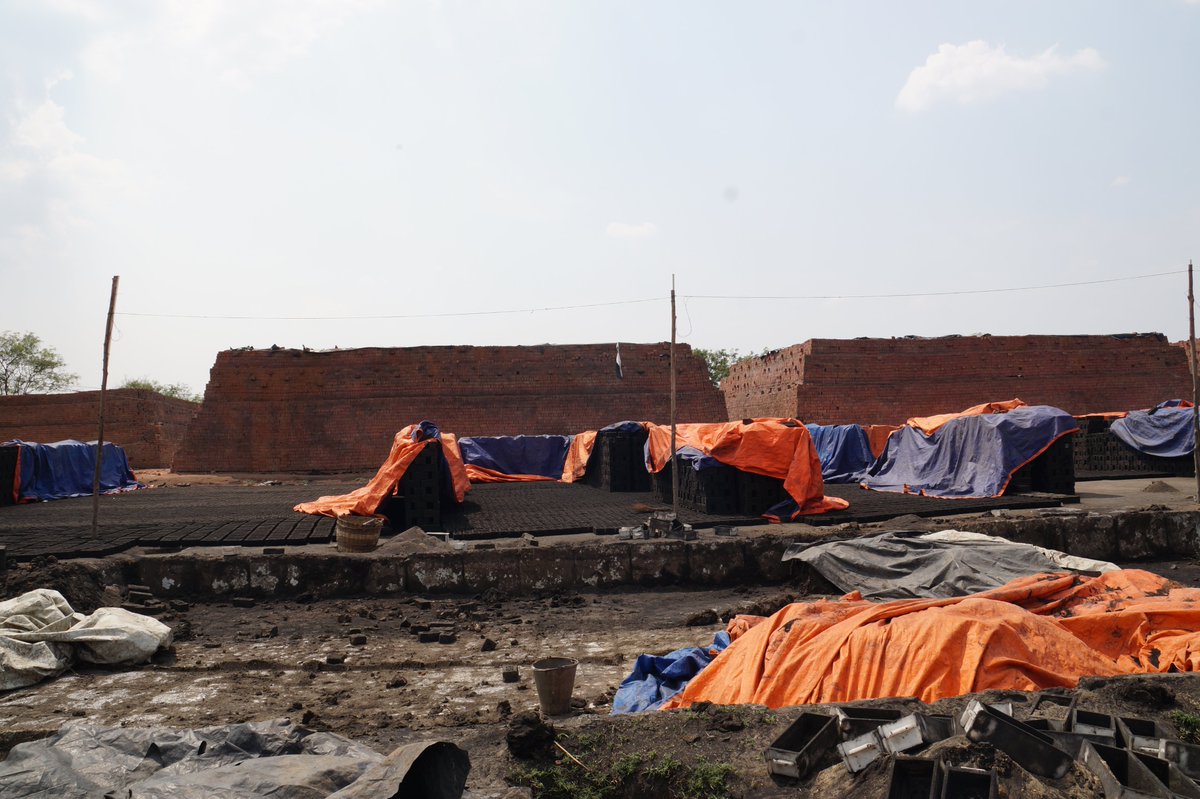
[{"x": 753, "y": 558}]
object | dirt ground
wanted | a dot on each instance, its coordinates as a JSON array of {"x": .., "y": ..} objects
[{"x": 358, "y": 667}]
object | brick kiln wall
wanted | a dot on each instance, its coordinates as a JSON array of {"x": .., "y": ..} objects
[
  {"x": 290, "y": 410},
  {"x": 885, "y": 381},
  {"x": 147, "y": 425}
]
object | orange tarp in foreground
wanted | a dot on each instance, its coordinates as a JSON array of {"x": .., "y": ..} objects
[
  {"x": 928, "y": 424},
  {"x": 780, "y": 448},
  {"x": 1036, "y": 632},
  {"x": 363, "y": 501}
]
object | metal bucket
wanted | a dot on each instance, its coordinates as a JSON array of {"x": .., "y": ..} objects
[
  {"x": 358, "y": 533},
  {"x": 555, "y": 680}
]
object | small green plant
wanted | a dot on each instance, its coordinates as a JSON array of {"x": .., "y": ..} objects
[
  {"x": 1188, "y": 725},
  {"x": 708, "y": 780}
]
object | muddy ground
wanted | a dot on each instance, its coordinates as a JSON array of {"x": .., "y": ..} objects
[{"x": 359, "y": 667}]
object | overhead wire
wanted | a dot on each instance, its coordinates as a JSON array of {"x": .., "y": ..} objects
[{"x": 684, "y": 297}]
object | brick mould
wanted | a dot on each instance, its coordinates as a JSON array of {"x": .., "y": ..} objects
[
  {"x": 147, "y": 425},
  {"x": 885, "y": 381},
  {"x": 292, "y": 410}
]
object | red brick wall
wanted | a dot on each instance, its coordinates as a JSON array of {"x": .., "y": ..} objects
[
  {"x": 289, "y": 410},
  {"x": 147, "y": 425},
  {"x": 885, "y": 381}
]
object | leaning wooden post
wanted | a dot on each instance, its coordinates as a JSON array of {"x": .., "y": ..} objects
[
  {"x": 1195, "y": 394},
  {"x": 112, "y": 304}
]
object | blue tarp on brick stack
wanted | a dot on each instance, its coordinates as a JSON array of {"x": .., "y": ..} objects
[
  {"x": 66, "y": 468},
  {"x": 1165, "y": 431},
  {"x": 968, "y": 457}
]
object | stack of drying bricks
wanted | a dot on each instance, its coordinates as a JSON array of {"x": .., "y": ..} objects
[
  {"x": 885, "y": 381},
  {"x": 292, "y": 410}
]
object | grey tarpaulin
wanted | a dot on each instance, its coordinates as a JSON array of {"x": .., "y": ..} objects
[
  {"x": 40, "y": 636},
  {"x": 273, "y": 759},
  {"x": 905, "y": 565}
]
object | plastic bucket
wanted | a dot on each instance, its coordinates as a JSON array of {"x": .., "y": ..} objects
[
  {"x": 555, "y": 680},
  {"x": 358, "y": 533}
]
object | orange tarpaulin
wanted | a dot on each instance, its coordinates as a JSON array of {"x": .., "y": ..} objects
[
  {"x": 780, "y": 448},
  {"x": 479, "y": 474},
  {"x": 928, "y": 424},
  {"x": 577, "y": 456},
  {"x": 878, "y": 435},
  {"x": 364, "y": 501},
  {"x": 1033, "y": 633}
]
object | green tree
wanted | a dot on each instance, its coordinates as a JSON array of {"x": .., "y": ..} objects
[
  {"x": 719, "y": 361},
  {"x": 177, "y": 390},
  {"x": 26, "y": 367}
]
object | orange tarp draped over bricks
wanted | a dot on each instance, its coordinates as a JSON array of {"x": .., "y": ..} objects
[
  {"x": 1035, "y": 632},
  {"x": 364, "y": 501},
  {"x": 478, "y": 474},
  {"x": 577, "y": 456},
  {"x": 878, "y": 435},
  {"x": 780, "y": 448},
  {"x": 928, "y": 424}
]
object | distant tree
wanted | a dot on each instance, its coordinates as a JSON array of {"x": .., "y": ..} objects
[
  {"x": 719, "y": 361},
  {"x": 26, "y": 367},
  {"x": 176, "y": 390}
]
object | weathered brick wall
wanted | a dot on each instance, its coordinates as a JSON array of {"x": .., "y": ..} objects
[
  {"x": 885, "y": 381},
  {"x": 289, "y": 410},
  {"x": 149, "y": 426}
]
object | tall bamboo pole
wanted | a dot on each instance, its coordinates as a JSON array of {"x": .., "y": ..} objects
[
  {"x": 1195, "y": 392},
  {"x": 674, "y": 466},
  {"x": 112, "y": 305}
]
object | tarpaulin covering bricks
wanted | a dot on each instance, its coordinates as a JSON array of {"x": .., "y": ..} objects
[
  {"x": 1035, "y": 632},
  {"x": 1165, "y": 431},
  {"x": 258, "y": 759},
  {"x": 931, "y": 424},
  {"x": 844, "y": 450},
  {"x": 514, "y": 458},
  {"x": 968, "y": 456},
  {"x": 779, "y": 448},
  {"x": 406, "y": 445},
  {"x": 900, "y": 565},
  {"x": 656, "y": 678},
  {"x": 66, "y": 469}
]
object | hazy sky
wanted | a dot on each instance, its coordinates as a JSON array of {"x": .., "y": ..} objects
[{"x": 363, "y": 159}]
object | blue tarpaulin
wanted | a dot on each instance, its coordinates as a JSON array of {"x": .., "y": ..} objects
[
  {"x": 844, "y": 450},
  {"x": 971, "y": 456},
  {"x": 66, "y": 469},
  {"x": 1165, "y": 431},
  {"x": 655, "y": 679},
  {"x": 536, "y": 455}
]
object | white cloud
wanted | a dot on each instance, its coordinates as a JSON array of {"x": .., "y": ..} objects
[
  {"x": 977, "y": 71},
  {"x": 236, "y": 41},
  {"x": 1120, "y": 181},
  {"x": 625, "y": 230},
  {"x": 49, "y": 182}
]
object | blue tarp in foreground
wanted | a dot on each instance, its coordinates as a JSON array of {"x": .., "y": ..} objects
[
  {"x": 655, "y": 679},
  {"x": 971, "y": 456},
  {"x": 844, "y": 450},
  {"x": 537, "y": 455},
  {"x": 1165, "y": 431},
  {"x": 66, "y": 468}
]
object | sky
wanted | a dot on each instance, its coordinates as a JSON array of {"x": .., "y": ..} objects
[{"x": 394, "y": 174}]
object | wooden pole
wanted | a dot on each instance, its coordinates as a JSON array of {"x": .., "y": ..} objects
[
  {"x": 112, "y": 305},
  {"x": 1195, "y": 392},
  {"x": 674, "y": 466}
]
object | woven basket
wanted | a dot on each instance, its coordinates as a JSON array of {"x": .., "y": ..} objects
[{"x": 358, "y": 533}]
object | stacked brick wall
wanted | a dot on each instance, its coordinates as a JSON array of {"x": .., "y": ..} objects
[
  {"x": 885, "y": 381},
  {"x": 291, "y": 410},
  {"x": 147, "y": 425}
]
